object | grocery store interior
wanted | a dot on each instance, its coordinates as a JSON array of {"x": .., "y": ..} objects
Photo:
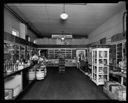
[{"x": 65, "y": 51}]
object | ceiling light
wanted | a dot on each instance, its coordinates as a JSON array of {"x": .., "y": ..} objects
[{"x": 64, "y": 15}]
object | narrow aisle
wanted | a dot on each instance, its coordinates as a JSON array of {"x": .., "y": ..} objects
[{"x": 69, "y": 85}]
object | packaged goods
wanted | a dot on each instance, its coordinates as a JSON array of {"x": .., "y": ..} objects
[
  {"x": 113, "y": 87},
  {"x": 121, "y": 93},
  {"x": 115, "y": 90},
  {"x": 108, "y": 83}
]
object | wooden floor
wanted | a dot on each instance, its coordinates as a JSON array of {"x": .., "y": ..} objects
[{"x": 70, "y": 85}]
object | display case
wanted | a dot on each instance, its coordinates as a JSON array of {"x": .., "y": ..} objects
[
  {"x": 11, "y": 55},
  {"x": 100, "y": 68},
  {"x": 16, "y": 72}
]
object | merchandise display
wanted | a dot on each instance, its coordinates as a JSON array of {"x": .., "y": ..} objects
[
  {"x": 83, "y": 57},
  {"x": 95, "y": 66},
  {"x": 100, "y": 68},
  {"x": 115, "y": 90},
  {"x": 17, "y": 63},
  {"x": 70, "y": 62},
  {"x": 68, "y": 53}
]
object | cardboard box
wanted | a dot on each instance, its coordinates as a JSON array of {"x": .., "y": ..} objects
[
  {"x": 121, "y": 93},
  {"x": 8, "y": 94}
]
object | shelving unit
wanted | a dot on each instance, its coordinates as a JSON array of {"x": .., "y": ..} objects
[
  {"x": 112, "y": 54},
  {"x": 119, "y": 53},
  {"x": 68, "y": 53},
  {"x": 51, "y": 54},
  {"x": 100, "y": 72},
  {"x": 73, "y": 53},
  {"x": 16, "y": 80}
]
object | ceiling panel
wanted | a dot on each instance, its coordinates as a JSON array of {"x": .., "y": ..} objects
[{"x": 82, "y": 18}]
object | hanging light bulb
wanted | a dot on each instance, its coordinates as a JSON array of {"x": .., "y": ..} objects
[{"x": 64, "y": 15}]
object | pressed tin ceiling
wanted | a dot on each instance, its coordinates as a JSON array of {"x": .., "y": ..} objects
[{"x": 83, "y": 18}]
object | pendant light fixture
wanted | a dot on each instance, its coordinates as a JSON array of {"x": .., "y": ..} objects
[{"x": 64, "y": 15}]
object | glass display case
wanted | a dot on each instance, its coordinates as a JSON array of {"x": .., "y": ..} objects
[
  {"x": 15, "y": 78},
  {"x": 100, "y": 68},
  {"x": 11, "y": 55},
  {"x": 16, "y": 68}
]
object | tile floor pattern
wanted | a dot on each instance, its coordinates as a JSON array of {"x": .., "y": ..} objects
[{"x": 70, "y": 85}]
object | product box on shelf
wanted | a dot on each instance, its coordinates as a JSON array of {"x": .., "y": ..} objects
[
  {"x": 114, "y": 87},
  {"x": 121, "y": 93}
]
